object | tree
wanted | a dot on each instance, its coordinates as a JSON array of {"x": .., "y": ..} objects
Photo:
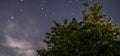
[{"x": 93, "y": 36}]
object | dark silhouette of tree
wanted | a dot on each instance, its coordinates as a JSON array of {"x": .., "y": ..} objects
[{"x": 93, "y": 36}]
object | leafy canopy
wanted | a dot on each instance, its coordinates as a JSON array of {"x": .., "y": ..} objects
[{"x": 93, "y": 36}]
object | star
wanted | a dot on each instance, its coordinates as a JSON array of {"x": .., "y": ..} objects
[
  {"x": 70, "y": 1},
  {"x": 53, "y": 13},
  {"x": 76, "y": 0},
  {"x": 21, "y": 10},
  {"x": 11, "y": 17},
  {"x": 21, "y": 0},
  {"x": 19, "y": 32},
  {"x": 103, "y": 1},
  {"x": 73, "y": 13},
  {"x": 43, "y": 2},
  {"x": 45, "y": 15},
  {"x": 42, "y": 8}
]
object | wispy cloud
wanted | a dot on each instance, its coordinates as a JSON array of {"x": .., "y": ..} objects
[
  {"x": 20, "y": 38},
  {"x": 22, "y": 47},
  {"x": 3, "y": 54}
]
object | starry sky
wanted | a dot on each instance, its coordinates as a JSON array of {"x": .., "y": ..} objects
[{"x": 23, "y": 23}]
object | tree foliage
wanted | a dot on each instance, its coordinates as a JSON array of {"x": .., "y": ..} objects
[{"x": 93, "y": 36}]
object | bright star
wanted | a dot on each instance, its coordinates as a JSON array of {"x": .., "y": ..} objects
[{"x": 12, "y": 17}]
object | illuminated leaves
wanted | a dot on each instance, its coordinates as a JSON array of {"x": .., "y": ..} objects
[{"x": 92, "y": 36}]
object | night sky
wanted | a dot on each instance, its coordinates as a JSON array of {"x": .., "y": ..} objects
[{"x": 23, "y": 23}]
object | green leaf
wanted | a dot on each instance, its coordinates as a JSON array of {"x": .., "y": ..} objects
[
  {"x": 86, "y": 4},
  {"x": 65, "y": 21}
]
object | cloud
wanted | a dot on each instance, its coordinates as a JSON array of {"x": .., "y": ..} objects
[
  {"x": 21, "y": 47},
  {"x": 21, "y": 38},
  {"x": 3, "y": 54},
  {"x": 16, "y": 43}
]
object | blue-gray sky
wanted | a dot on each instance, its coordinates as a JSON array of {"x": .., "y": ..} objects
[{"x": 23, "y": 23}]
